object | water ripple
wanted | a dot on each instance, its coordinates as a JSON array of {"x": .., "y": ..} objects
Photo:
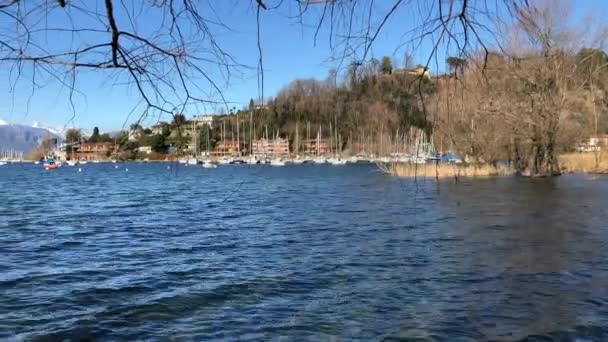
[{"x": 299, "y": 253}]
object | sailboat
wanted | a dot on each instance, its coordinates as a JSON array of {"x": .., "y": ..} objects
[
  {"x": 251, "y": 160},
  {"x": 337, "y": 160},
  {"x": 319, "y": 159},
  {"x": 193, "y": 160}
]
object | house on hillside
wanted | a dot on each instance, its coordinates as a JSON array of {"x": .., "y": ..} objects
[
  {"x": 278, "y": 147},
  {"x": 228, "y": 148},
  {"x": 159, "y": 127},
  {"x": 145, "y": 149},
  {"x": 95, "y": 151},
  {"x": 135, "y": 133},
  {"x": 204, "y": 120},
  {"x": 314, "y": 146},
  {"x": 417, "y": 71},
  {"x": 595, "y": 143}
]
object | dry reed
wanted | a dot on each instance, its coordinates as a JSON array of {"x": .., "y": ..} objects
[
  {"x": 432, "y": 170},
  {"x": 589, "y": 162}
]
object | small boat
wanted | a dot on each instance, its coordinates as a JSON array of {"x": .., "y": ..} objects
[
  {"x": 353, "y": 159},
  {"x": 182, "y": 161},
  {"x": 297, "y": 161},
  {"x": 224, "y": 161},
  {"x": 49, "y": 163},
  {"x": 207, "y": 164},
  {"x": 337, "y": 161},
  {"x": 193, "y": 161},
  {"x": 2, "y": 163},
  {"x": 37, "y": 162},
  {"x": 277, "y": 162},
  {"x": 319, "y": 160},
  {"x": 252, "y": 160},
  {"x": 72, "y": 162},
  {"x": 82, "y": 162}
]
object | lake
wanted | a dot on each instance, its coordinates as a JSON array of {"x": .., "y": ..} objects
[{"x": 308, "y": 252}]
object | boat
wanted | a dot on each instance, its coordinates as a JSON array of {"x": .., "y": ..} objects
[
  {"x": 297, "y": 161},
  {"x": 207, "y": 164},
  {"x": 224, "y": 161},
  {"x": 2, "y": 163},
  {"x": 252, "y": 160},
  {"x": 319, "y": 160},
  {"x": 337, "y": 161},
  {"x": 72, "y": 162},
  {"x": 49, "y": 163},
  {"x": 82, "y": 162},
  {"x": 277, "y": 162},
  {"x": 193, "y": 161},
  {"x": 353, "y": 159},
  {"x": 37, "y": 162}
]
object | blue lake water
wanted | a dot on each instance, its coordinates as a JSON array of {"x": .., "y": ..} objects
[{"x": 303, "y": 252}]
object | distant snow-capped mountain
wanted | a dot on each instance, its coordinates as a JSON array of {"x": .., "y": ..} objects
[
  {"x": 50, "y": 129},
  {"x": 24, "y": 138}
]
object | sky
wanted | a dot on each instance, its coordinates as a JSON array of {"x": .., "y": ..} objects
[{"x": 289, "y": 52}]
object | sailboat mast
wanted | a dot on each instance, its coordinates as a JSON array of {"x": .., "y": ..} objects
[
  {"x": 297, "y": 147},
  {"x": 238, "y": 136},
  {"x": 250, "y": 130}
]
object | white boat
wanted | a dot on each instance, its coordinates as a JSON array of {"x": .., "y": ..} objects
[
  {"x": 209, "y": 165},
  {"x": 337, "y": 161},
  {"x": 193, "y": 161},
  {"x": 319, "y": 160},
  {"x": 83, "y": 162},
  {"x": 72, "y": 162},
  {"x": 252, "y": 160},
  {"x": 277, "y": 162},
  {"x": 114, "y": 161},
  {"x": 297, "y": 161},
  {"x": 419, "y": 160},
  {"x": 353, "y": 159},
  {"x": 37, "y": 162},
  {"x": 2, "y": 163},
  {"x": 224, "y": 161},
  {"x": 182, "y": 161}
]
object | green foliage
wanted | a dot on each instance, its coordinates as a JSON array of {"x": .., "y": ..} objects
[
  {"x": 178, "y": 120},
  {"x": 386, "y": 66},
  {"x": 95, "y": 136},
  {"x": 455, "y": 63},
  {"x": 156, "y": 141}
]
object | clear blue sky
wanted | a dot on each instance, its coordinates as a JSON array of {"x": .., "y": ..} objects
[{"x": 288, "y": 49}]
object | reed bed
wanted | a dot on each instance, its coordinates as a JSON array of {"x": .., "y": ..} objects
[
  {"x": 432, "y": 170},
  {"x": 589, "y": 162}
]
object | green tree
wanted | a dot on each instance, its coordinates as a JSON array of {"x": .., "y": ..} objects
[
  {"x": 179, "y": 120},
  {"x": 156, "y": 142},
  {"x": 455, "y": 64},
  {"x": 95, "y": 136},
  {"x": 386, "y": 66}
]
